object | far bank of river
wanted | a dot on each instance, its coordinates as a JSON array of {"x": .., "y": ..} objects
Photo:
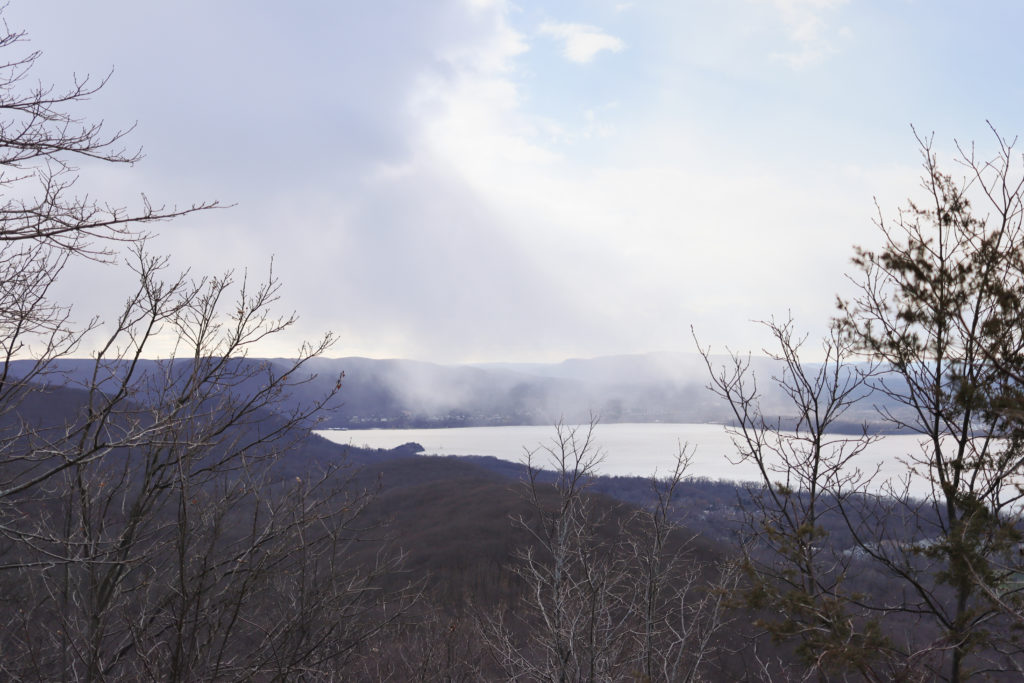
[{"x": 629, "y": 449}]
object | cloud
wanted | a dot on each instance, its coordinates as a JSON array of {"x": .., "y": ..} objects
[
  {"x": 808, "y": 30},
  {"x": 433, "y": 188},
  {"x": 582, "y": 42}
]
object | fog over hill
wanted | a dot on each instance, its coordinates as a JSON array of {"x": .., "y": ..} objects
[
  {"x": 651, "y": 387},
  {"x": 655, "y": 387}
]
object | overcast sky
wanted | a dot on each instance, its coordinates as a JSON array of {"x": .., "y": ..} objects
[{"x": 478, "y": 180}]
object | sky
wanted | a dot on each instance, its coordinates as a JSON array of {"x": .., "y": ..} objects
[{"x": 482, "y": 180}]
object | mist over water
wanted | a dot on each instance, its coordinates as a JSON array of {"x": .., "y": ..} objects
[{"x": 630, "y": 449}]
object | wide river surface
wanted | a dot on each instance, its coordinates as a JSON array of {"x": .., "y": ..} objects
[{"x": 628, "y": 449}]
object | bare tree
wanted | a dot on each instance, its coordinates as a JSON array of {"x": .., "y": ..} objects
[
  {"x": 147, "y": 527},
  {"x": 571, "y": 576},
  {"x": 679, "y": 604},
  {"x": 610, "y": 593},
  {"x": 806, "y": 468}
]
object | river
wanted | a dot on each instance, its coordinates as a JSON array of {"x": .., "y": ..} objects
[{"x": 628, "y": 449}]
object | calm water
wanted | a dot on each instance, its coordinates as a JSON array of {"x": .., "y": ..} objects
[{"x": 629, "y": 449}]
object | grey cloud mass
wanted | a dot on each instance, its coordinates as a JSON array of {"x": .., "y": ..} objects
[{"x": 290, "y": 115}]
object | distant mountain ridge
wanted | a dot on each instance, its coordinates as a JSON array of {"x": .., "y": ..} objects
[{"x": 655, "y": 387}]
